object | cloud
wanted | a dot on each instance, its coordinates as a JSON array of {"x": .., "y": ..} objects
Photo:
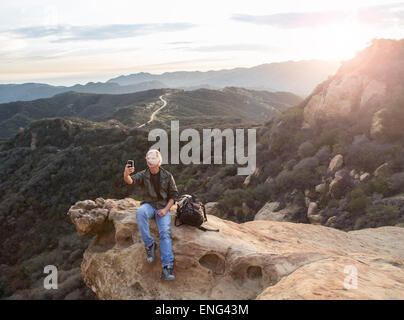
[
  {"x": 381, "y": 15},
  {"x": 229, "y": 47},
  {"x": 292, "y": 20},
  {"x": 113, "y": 31},
  {"x": 179, "y": 42}
]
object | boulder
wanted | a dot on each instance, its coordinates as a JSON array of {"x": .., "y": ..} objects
[
  {"x": 376, "y": 128},
  {"x": 336, "y": 163},
  {"x": 382, "y": 169},
  {"x": 330, "y": 221},
  {"x": 247, "y": 181},
  {"x": 88, "y": 217},
  {"x": 213, "y": 208},
  {"x": 341, "y": 184},
  {"x": 321, "y": 188},
  {"x": 292, "y": 212},
  {"x": 268, "y": 180},
  {"x": 269, "y": 212},
  {"x": 252, "y": 260},
  {"x": 245, "y": 209},
  {"x": 257, "y": 172},
  {"x": 364, "y": 177},
  {"x": 309, "y": 193},
  {"x": 313, "y": 208},
  {"x": 312, "y": 213}
]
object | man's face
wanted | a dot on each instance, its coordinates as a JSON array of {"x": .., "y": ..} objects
[{"x": 152, "y": 160}]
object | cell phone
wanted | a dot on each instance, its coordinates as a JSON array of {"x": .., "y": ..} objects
[{"x": 131, "y": 163}]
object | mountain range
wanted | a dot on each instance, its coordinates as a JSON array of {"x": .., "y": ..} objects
[{"x": 272, "y": 77}]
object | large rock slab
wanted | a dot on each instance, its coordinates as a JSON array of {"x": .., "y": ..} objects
[
  {"x": 257, "y": 259},
  {"x": 342, "y": 96}
]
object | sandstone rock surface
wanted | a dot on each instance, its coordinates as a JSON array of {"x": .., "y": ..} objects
[{"x": 253, "y": 260}]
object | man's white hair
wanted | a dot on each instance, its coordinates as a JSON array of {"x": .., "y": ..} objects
[{"x": 158, "y": 154}]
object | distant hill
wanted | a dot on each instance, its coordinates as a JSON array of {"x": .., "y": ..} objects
[
  {"x": 220, "y": 108},
  {"x": 32, "y": 91},
  {"x": 129, "y": 108},
  {"x": 228, "y": 105},
  {"x": 299, "y": 77}
]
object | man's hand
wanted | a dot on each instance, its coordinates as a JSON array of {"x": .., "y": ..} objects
[
  {"x": 162, "y": 212},
  {"x": 128, "y": 170},
  {"x": 126, "y": 174}
]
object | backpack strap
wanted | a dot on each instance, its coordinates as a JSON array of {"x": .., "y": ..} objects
[
  {"x": 206, "y": 219},
  {"x": 204, "y": 212},
  {"x": 205, "y": 229},
  {"x": 175, "y": 222}
]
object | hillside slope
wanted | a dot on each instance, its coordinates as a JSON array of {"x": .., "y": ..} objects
[
  {"x": 44, "y": 169},
  {"x": 131, "y": 109},
  {"x": 227, "y": 105}
]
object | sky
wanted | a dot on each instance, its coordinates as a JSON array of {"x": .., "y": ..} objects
[{"x": 69, "y": 42}]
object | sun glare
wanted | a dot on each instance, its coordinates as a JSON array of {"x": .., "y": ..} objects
[{"x": 341, "y": 41}]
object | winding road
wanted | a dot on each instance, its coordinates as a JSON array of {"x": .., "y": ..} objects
[{"x": 155, "y": 112}]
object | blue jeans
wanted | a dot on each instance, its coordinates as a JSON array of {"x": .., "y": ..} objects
[{"x": 143, "y": 214}]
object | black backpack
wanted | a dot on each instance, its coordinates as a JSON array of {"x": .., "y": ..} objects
[{"x": 192, "y": 212}]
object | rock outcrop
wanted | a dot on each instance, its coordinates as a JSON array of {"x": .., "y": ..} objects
[
  {"x": 253, "y": 260},
  {"x": 344, "y": 94},
  {"x": 359, "y": 88},
  {"x": 213, "y": 208}
]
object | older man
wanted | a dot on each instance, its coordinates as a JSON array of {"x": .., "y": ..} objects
[{"x": 159, "y": 194}]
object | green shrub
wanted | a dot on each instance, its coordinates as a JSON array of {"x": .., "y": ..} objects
[
  {"x": 396, "y": 182},
  {"x": 333, "y": 203},
  {"x": 380, "y": 215},
  {"x": 285, "y": 179},
  {"x": 232, "y": 198},
  {"x": 323, "y": 155},
  {"x": 393, "y": 117},
  {"x": 328, "y": 137},
  {"x": 379, "y": 184},
  {"x": 306, "y": 165},
  {"x": 357, "y": 201},
  {"x": 306, "y": 149},
  {"x": 368, "y": 156}
]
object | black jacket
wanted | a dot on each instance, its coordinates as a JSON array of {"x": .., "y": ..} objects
[{"x": 168, "y": 188}]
